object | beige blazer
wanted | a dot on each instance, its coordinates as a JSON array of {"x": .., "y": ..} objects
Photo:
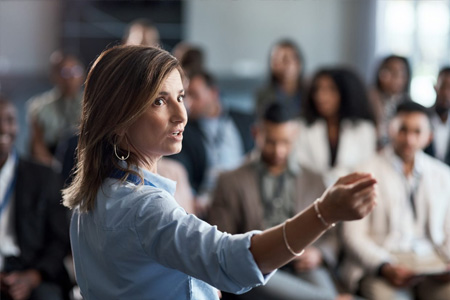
[
  {"x": 237, "y": 207},
  {"x": 364, "y": 239},
  {"x": 357, "y": 143}
]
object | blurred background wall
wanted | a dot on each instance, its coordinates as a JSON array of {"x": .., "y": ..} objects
[{"x": 236, "y": 36}]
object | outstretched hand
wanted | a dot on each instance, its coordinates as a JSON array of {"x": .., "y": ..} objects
[{"x": 352, "y": 197}]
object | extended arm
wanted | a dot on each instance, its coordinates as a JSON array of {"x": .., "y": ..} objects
[{"x": 351, "y": 198}]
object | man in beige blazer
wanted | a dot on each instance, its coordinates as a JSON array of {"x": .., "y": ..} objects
[
  {"x": 407, "y": 237},
  {"x": 268, "y": 188}
]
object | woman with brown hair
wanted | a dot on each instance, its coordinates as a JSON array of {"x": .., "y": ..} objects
[{"x": 130, "y": 239}]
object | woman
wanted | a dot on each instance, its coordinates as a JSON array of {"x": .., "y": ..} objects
[
  {"x": 130, "y": 239},
  {"x": 286, "y": 82},
  {"x": 393, "y": 78},
  {"x": 338, "y": 131}
]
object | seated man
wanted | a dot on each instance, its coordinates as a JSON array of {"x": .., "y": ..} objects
[
  {"x": 394, "y": 253},
  {"x": 215, "y": 139},
  {"x": 55, "y": 114},
  {"x": 267, "y": 189},
  {"x": 34, "y": 237}
]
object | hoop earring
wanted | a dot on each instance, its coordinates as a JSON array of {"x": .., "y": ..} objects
[{"x": 122, "y": 158}]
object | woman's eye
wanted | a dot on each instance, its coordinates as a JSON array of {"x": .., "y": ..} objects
[
  {"x": 180, "y": 98},
  {"x": 159, "y": 102}
]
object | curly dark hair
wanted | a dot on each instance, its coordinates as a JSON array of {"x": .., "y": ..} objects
[{"x": 354, "y": 103}]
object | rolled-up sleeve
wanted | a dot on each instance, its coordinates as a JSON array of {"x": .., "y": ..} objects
[{"x": 182, "y": 241}]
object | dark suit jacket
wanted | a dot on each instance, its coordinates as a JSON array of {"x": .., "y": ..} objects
[
  {"x": 41, "y": 223},
  {"x": 193, "y": 154},
  {"x": 432, "y": 151}
]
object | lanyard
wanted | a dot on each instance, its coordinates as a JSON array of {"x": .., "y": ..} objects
[
  {"x": 9, "y": 189},
  {"x": 119, "y": 174}
]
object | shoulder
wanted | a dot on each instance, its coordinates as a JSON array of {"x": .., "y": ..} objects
[
  {"x": 265, "y": 90},
  {"x": 318, "y": 124},
  {"x": 237, "y": 177},
  {"x": 122, "y": 204},
  {"x": 39, "y": 102},
  {"x": 435, "y": 166},
  {"x": 240, "y": 116},
  {"x": 376, "y": 163},
  {"x": 37, "y": 179},
  {"x": 237, "y": 174},
  {"x": 307, "y": 172},
  {"x": 41, "y": 172},
  {"x": 311, "y": 178}
]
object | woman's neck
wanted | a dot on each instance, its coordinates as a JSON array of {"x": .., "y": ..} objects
[
  {"x": 150, "y": 164},
  {"x": 290, "y": 87},
  {"x": 333, "y": 130}
]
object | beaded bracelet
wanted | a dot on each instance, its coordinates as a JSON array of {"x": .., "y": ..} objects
[
  {"x": 286, "y": 242},
  {"x": 319, "y": 215}
]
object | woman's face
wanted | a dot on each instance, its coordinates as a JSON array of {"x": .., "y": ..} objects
[
  {"x": 159, "y": 131},
  {"x": 285, "y": 64},
  {"x": 326, "y": 97},
  {"x": 393, "y": 77}
]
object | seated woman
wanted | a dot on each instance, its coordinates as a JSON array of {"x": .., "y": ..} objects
[
  {"x": 338, "y": 131},
  {"x": 286, "y": 81},
  {"x": 130, "y": 238},
  {"x": 393, "y": 78}
]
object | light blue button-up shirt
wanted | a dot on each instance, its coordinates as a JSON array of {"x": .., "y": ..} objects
[{"x": 138, "y": 243}]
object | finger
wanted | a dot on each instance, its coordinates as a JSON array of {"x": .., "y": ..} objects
[
  {"x": 351, "y": 178},
  {"x": 360, "y": 185},
  {"x": 20, "y": 291},
  {"x": 10, "y": 278},
  {"x": 366, "y": 195}
]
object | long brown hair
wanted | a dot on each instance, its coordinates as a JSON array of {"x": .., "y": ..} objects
[{"x": 118, "y": 90}]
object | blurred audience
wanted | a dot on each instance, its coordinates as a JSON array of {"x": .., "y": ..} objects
[
  {"x": 338, "y": 130},
  {"x": 440, "y": 145},
  {"x": 33, "y": 224},
  {"x": 268, "y": 188},
  {"x": 141, "y": 32},
  {"x": 191, "y": 58},
  {"x": 393, "y": 78},
  {"x": 55, "y": 114},
  {"x": 215, "y": 139},
  {"x": 286, "y": 82},
  {"x": 408, "y": 233}
]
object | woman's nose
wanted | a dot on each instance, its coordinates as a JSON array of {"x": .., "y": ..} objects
[{"x": 179, "y": 114}]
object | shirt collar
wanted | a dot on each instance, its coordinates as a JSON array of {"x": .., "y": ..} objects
[
  {"x": 157, "y": 180},
  {"x": 397, "y": 162},
  {"x": 160, "y": 181}
]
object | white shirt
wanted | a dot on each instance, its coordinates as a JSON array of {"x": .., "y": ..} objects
[
  {"x": 441, "y": 133},
  {"x": 224, "y": 148},
  {"x": 403, "y": 239},
  {"x": 8, "y": 245}
]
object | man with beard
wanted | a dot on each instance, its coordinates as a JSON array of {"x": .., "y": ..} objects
[
  {"x": 271, "y": 186},
  {"x": 402, "y": 250}
]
